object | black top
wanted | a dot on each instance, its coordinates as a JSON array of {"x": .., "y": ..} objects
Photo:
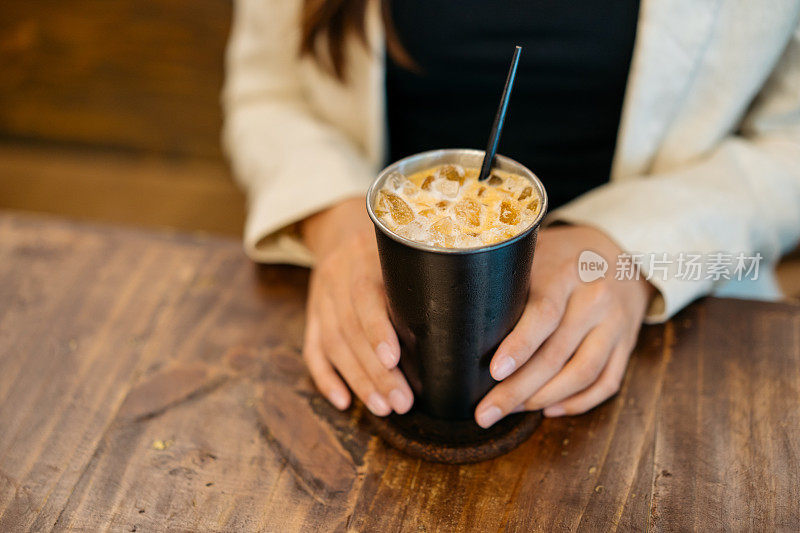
[{"x": 564, "y": 112}]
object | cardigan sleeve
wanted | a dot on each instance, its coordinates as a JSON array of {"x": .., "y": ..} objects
[
  {"x": 290, "y": 163},
  {"x": 744, "y": 196}
]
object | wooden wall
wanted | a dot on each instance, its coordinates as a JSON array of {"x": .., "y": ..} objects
[
  {"x": 101, "y": 79},
  {"x": 142, "y": 74}
]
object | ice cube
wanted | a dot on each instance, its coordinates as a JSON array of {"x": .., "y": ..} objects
[
  {"x": 495, "y": 180},
  {"x": 409, "y": 189},
  {"x": 509, "y": 214},
  {"x": 380, "y": 208},
  {"x": 395, "y": 181},
  {"x": 452, "y": 173},
  {"x": 401, "y": 212},
  {"x": 442, "y": 231},
  {"x": 448, "y": 188},
  {"x": 468, "y": 211},
  {"x": 526, "y": 192},
  {"x": 426, "y": 184}
]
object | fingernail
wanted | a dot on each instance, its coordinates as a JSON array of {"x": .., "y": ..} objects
[
  {"x": 401, "y": 403},
  {"x": 503, "y": 368},
  {"x": 339, "y": 399},
  {"x": 385, "y": 355},
  {"x": 554, "y": 411},
  {"x": 489, "y": 415},
  {"x": 377, "y": 404}
]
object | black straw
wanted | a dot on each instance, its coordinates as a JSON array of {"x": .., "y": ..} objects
[{"x": 499, "y": 118}]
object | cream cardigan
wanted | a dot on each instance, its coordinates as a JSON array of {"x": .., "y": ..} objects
[{"x": 707, "y": 158}]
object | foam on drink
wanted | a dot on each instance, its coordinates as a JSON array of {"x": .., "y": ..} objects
[{"x": 447, "y": 206}]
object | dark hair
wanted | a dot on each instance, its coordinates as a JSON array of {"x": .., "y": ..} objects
[{"x": 334, "y": 21}]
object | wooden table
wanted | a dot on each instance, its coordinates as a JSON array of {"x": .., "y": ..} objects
[{"x": 152, "y": 381}]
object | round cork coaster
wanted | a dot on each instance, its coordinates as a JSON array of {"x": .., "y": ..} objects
[{"x": 454, "y": 442}]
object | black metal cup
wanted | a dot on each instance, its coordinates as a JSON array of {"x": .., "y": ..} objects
[{"x": 452, "y": 307}]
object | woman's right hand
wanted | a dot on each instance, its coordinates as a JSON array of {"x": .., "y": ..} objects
[{"x": 347, "y": 324}]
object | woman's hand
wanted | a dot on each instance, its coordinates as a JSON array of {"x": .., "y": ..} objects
[
  {"x": 569, "y": 350},
  {"x": 347, "y": 325}
]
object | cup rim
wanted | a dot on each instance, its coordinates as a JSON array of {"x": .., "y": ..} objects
[{"x": 455, "y": 251}]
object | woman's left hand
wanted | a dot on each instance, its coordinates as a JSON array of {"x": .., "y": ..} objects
[{"x": 570, "y": 348}]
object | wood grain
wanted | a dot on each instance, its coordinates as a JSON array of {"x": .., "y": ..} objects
[
  {"x": 135, "y": 74},
  {"x": 111, "y": 111},
  {"x": 153, "y": 382},
  {"x": 189, "y": 194}
]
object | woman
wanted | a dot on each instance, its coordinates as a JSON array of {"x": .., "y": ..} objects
[{"x": 667, "y": 127}]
